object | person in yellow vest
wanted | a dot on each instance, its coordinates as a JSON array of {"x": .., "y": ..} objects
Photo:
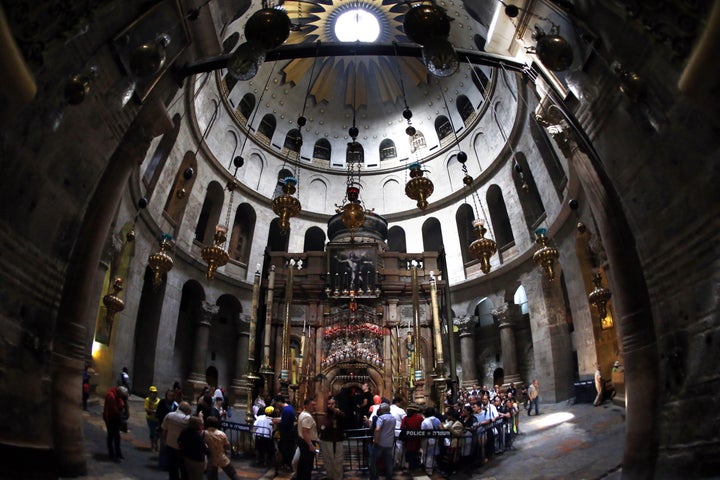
[{"x": 151, "y": 405}]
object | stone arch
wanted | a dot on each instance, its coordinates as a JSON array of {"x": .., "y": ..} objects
[{"x": 210, "y": 213}]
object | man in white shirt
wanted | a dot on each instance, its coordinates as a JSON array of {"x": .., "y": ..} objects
[
  {"x": 174, "y": 423},
  {"x": 398, "y": 414},
  {"x": 307, "y": 431}
]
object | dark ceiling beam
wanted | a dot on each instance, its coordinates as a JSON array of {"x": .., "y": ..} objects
[{"x": 337, "y": 49}]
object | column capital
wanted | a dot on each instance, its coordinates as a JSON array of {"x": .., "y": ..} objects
[
  {"x": 466, "y": 325},
  {"x": 207, "y": 312}
]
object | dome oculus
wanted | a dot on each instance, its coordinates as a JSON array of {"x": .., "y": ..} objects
[{"x": 357, "y": 25}]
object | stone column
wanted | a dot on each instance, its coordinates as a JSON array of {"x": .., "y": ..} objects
[
  {"x": 506, "y": 318},
  {"x": 202, "y": 336},
  {"x": 550, "y": 336},
  {"x": 466, "y": 327},
  {"x": 77, "y": 303},
  {"x": 240, "y": 385}
]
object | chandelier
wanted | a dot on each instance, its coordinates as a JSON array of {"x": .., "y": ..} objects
[
  {"x": 286, "y": 206},
  {"x": 599, "y": 296},
  {"x": 112, "y": 301},
  {"x": 419, "y": 187},
  {"x": 482, "y": 248},
  {"x": 546, "y": 256},
  {"x": 428, "y": 25},
  {"x": 160, "y": 262},
  {"x": 215, "y": 255},
  {"x": 352, "y": 209}
]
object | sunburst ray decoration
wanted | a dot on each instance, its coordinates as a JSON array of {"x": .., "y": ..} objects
[{"x": 315, "y": 21}]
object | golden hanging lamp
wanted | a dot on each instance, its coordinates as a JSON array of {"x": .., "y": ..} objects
[
  {"x": 419, "y": 187},
  {"x": 353, "y": 213},
  {"x": 215, "y": 255},
  {"x": 547, "y": 255},
  {"x": 113, "y": 303},
  {"x": 599, "y": 296},
  {"x": 482, "y": 248},
  {"x": 286, "y": 206},
  {"x": 161, "y": 262}
]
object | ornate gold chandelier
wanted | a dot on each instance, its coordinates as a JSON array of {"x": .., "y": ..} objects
[
  {"x": 547, "y": 255},
  {"x": 599, "y": 296},
  {"x": 215, "y": 255},
  {"x": 286, "y": 206},
  {"x": 419, "y": 187},
  {"x": 112, "y": 301},
  {"x": 160, "y": 262},
  {"x": 482, "y": 248}
]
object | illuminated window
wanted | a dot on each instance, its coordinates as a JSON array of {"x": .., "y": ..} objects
[{"x": 357, "y": 25}]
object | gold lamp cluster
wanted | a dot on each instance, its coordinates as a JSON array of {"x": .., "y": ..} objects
[
  {"x": 286, "y": 206},
  {"x": 599, "y": 296},
  {"x": 215, "y": 255},
  {"x": 112, "y": 301},
  {"x": 160, "y": 262},
  {"x": 482, "y": 248},
  {"x": 546, "y": 256},
  {"x": 419, "y": 187}
]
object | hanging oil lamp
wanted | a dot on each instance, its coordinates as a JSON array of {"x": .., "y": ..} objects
[
  {"x": 286, "y": 206},
  {"x": 482, "y": 248},
  {"x": 599, "y": 296},
  {"x": 215, "y": 255},
  {"x": 160, "y": 262},
  {"x": 547, "y": 255},
  {"x": 112, "y": 301},
  {"x": 419, "y": 187}
]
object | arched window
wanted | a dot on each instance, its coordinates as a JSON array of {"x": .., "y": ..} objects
[
  {"x": 293, "y": 140},
  {"x": 322, "y": 150},
  {"x": 160, "y": 156},
  {"x": 277, "y": 239},
  {"x": 317, "y": 200},
  {"x": 390, "y": 193},
  {"x": 527, "y": 192},
  {"x": 247, "y": 105},
  {"x": 499, "y": 218},
  {"x": 464, "y": 218},
  {"x": 480, "y": 80},
  {"x": 396, "y": 240},
  {"x": 355, "y": 153},
  {"x": 267, "y": 126},
  {"x": 432, "y": 235},
  {"x": 549, "y": 156},
  {"x": 209, "y": 213},
  {"x": 230, "y": 42},
  {"x": 443, "y": 128},
  {"x": 230, "y": 82},
  {"x": 242, "y": 233},
  {"x": 465, "y": 108},
  {"x": 387, "y": 150},
  {"x": 314, "y": 240}
]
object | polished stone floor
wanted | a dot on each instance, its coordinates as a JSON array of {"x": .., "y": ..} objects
[{"x": 565, "y": 442}]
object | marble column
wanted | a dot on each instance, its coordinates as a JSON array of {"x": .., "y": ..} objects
[
  {"x": 202, "y": 335},
  {"x": 77, "y": 303},
  {"x": 466, "y": 327},
  {"x": 240, "y": 384},
  {"x": 506, "y": 318}
]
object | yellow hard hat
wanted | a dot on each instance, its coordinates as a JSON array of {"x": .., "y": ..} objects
[{"x": 153, "y": 389}]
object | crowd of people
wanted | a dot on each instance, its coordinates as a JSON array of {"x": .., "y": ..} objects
[{"x": 470, "y": 428}]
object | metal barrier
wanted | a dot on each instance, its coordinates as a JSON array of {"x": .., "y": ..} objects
[
  {"x": 438, "y": 449},
  {"x": 242, "y": 436}
]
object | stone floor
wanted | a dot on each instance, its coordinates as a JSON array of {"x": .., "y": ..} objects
[{"x": 565, "y": 442}]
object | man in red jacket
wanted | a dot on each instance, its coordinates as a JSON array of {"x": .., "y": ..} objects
[{"x": 115, "y": 414}]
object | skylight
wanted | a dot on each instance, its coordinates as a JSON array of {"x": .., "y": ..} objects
[{"x": 357, "y": 25}]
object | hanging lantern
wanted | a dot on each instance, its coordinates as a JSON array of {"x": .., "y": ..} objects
[
  {"x": 113, "y": 303},
  {"x": 161, "y": 262},
  {"x": 546, "y": 256},
  {"x": 286, "y": 206},
  {"x": 269, "y": 27},
  {"x": 554, "y": 51},
  {"x": 423, "y": 22},
  {"x": 353, "y": 213},
  {"x": 245, "y": 61},
  {"x": 419, "y": 187},
  {"x": 599, "y": 296},
  {"x": 482, "y": 248},
  {"x": 215, "y": 255},
  {"x": 440, "y": 58},
  {"x": 149, "y": 58}
]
